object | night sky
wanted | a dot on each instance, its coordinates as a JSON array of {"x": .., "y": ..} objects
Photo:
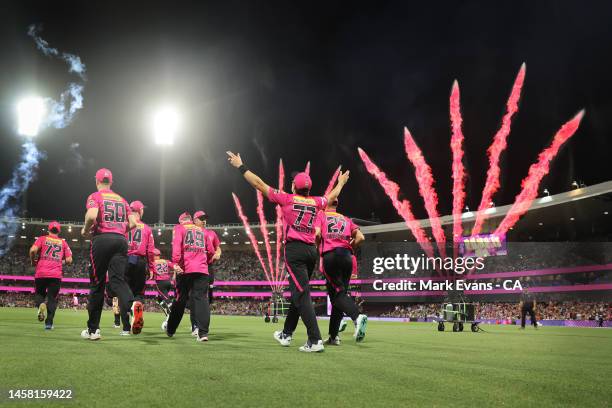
[{"x": 311, "y": 82}]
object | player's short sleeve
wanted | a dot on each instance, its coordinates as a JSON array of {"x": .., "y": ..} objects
[
  {"x": 215, "y": 240},
  {"x": 93, "y": 201},
  {"x": 67, "y": 250},
  {"x": 128, "y": 210},
  {"x": 279, "y": 197},
  {"x": 39, "y": 242},
  {"x": 321, "y": 202},
  {"x": 352, "y": 225}
]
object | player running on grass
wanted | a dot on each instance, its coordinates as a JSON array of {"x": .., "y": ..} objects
[
  {"x": 47, "y": 254},
  {"x": 141, "y": 246},
  {"x": 108, "y": 218},
  {"x": 339, "y": 237},
  {"x": 190, "y": 251},
  {"x": 299, "y": 216},
  {"x": 200, "y": 218},
  {"x": 163, "y": 274}
]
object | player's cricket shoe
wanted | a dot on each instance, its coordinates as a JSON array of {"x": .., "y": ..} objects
[
  {"x": 137, "y": 319},
  {"x": 313, "y": 348},
  {"x": 332, "y": 342},
  {"x": 201, "y": 339},
  {"x": 360, "y": 328},
  {"x": 343, "y": 325},
  {"x": 91, "y": 336},
  {"x": 48, "y": 327},
  {"x": 282, "y": 338},
  {"x": 42, "y": 312},
  {"x": 124, "y": 333},
  {"x": 164, "y": 325},
  {"x": 195, "y": 332},
  {"x": 116, "y": 326}
]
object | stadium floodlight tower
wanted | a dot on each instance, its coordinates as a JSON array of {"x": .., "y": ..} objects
[
  {"x": 30, "y": 115},
  {"x": 165, "y": 127}
]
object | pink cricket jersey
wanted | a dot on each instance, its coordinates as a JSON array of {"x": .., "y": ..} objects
[
  {"x": 52, "y": 250},
  {"x": 214, "y": 240},
  {"x": 162, "y": 269},
  {"x": 299, "y": 214},
  {"x": 190, "y": 248},
  {"x": 113, "y": 212},
  {"x": 141, "y": 242},
  {"x": 336, "y": 231}
]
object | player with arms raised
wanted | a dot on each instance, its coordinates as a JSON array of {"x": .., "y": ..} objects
[
  {"x": 339, "y": 238},
  {"x": 47, "y": 254},
  {"x": 108, "y": 219},
  {"x": 299, "y": 216}
]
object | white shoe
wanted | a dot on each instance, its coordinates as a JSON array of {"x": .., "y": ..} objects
[
  {"x": 116, "y": 326},
  {"x": 195, "y": 332},
  {"x": 91, "y": 336},
  {"x": 124, "y": 333},
  {"x": 164, "y": 324},
  {"x": 42, "y": 312},
  {"x": 343, "y": 325},
  {"x": 313, "y": 348},
  {"x": 201, "y": 339},
  {"x": 360, "y": 328},
  {"x": 282, "y": 338}
]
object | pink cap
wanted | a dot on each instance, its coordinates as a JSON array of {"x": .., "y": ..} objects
[
  {"x": 184, "y": 218},
  {"x": 156, "y": 252},
  {"x": 104, "y": 174},
  {"x": 136, "y": 206},
  {"x": 54, "y": 224},
  {"x": 302, "y": 181},
  {"x": 200, "y": 214}
]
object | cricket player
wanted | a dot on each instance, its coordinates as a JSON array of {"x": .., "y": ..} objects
[
  {"x": 299, "y": 216},
  {"x": 163, "y": 274},
  {"x": 108, "y": 219},
  {"x": 190, "y": 252},
  {"x": 339, "y": 237},
  {"x": 47, "y": 254},
  {"x": 200, "y": 219},
  {"x": 141, "y": 247}
]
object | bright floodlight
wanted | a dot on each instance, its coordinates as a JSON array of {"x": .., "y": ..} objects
[
  {"x": 165, "y": 126},
  {"x": 30, "y": 114}
]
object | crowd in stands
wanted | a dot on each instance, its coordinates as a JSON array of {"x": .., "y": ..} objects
[{"x": 503, "y": 311}]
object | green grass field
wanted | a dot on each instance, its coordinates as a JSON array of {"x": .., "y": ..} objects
[{"x": 399, "y": 364}]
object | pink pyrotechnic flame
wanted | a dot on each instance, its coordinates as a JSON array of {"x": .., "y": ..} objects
[
  {"x": 428, "y": 192},
  {"x": 251, "y": 236},
  {"x": 402, "y": 207},
  {"x": 307, "y": 169},
  {"x": 458, "y": 169},
  {"x": 279, "y": 223},
  {"x": 263, "y": 227},
  {"x": 495, "y": 150},
  {"x": 537, "y": 171},
  {"x": 332, "y": 181}
]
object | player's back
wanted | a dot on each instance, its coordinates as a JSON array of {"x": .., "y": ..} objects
[
  {"x": 52, "y": 251},
  {"x": 113, "y": 212},
  {"x": 139, "y": 239},
  {"x": 190, "y": 248},
  {"x": 299, "y": 214},
  {"x": 336, "y": 231}
]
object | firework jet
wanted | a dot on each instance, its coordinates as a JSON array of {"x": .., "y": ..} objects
[
  {"x": 537, "y": 171},
  {"x": 279, "y": 220},
  {"x": 495, "y": 150},
  {"x": 247, "y": 229},
  {"x": 12, "y": 191},
  {"x": 263, "y": 227},
  {"x": 428, "y": 192},
  {"x": 458, "y": 169},
  {"x": 307, "y": 169},
  {"x": 59, "y": 115},
  {"x": 402, "y": 207},
  {"x": 332, "y": 181}
]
